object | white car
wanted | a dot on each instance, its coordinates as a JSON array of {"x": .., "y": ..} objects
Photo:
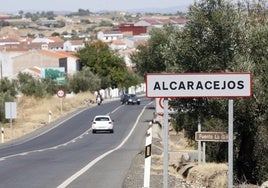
[{"x": 102, "y": 123}]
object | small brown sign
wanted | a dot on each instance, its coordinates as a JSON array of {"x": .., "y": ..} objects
[{"x": 211, "y": 136}]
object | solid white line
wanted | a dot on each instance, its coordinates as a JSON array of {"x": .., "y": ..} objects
[{"x": 89, "y": 165}]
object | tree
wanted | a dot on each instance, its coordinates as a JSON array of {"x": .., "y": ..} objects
[
  {"x": 252, "y": 161},
  {"x": 30, "y": 86},
  {"x": 4, "y": 97},
  {"x": 103, "y": 62},
  {"x": 8, "y": 86},
  {"x": 7, "y": 94},
  {"x": 209, "y": 36},
  {"x": 215, "y": 41},
  {"x": 220, "y": 38},
  {"x": 132, "y": 79},
  {"x": 149, "y": 58},
  {"x": 84, "y": 81}
]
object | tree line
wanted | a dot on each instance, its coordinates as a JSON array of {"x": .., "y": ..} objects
[{"x": 219, "y": 36}]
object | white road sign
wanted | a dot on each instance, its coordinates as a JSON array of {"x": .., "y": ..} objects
[
  {"x": 60, "y": 93},
  {"x": 199, "y": 85},
  {"x": 10, "y": 110}
]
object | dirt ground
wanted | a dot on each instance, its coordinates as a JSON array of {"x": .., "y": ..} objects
[{"x": 208, "y": 175}]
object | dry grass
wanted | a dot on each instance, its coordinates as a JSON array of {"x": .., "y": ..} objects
[
  {"x": 209, "y": 175},
  {"x": 33, "y": 113}
]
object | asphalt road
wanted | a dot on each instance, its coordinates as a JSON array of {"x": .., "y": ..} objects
[{"x": 67, "y": 154}]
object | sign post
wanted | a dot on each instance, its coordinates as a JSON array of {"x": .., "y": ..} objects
[
  {"x": 11, "y": 113},
  {"x": 199, "y": 142},
  {"x": 199, "y": 85},
  {"x": 165, "y": 143},
  {"x": 230, "y": 144},
  {"x": 60, "y": 94}
]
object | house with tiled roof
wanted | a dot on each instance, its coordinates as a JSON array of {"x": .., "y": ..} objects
[
  {"x": 73, "y": 64},
  {"x": 44, "y": 59},
  {"x": 46, "y": 43},
  {"x": 73, "y": 45},
  {"x": 118, "y": 45},
  {"x": 134, "y": 41},
  {"x": 158, "y": 23},
  {"x": 34, "y": 71},
  {"x": 9, "y": 41}
]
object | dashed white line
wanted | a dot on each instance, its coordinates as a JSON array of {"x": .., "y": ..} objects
[{"x": 89, "y": 165}]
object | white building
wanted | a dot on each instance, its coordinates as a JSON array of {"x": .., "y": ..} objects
[
  {"x": 73, "y": 45},
  {"x": 108, "y": 36}
]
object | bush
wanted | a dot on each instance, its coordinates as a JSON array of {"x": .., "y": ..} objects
[{"x": 84, "y": 81}]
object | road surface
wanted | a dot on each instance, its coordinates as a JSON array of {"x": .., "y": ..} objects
[{"x": 67, "y": 154}]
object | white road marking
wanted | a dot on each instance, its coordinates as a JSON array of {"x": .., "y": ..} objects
[
  {"x": 89, "y": 165},
  {"x": 54, "y": 147},
  {"x": 45, "y": 149}
]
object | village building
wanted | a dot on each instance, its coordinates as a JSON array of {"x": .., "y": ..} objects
[
  {"x": 24, "y": 61},
  {"x": 108, "y": 36}
]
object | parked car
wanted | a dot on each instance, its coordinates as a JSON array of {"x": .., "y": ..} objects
[
  {"x": 130, "y": 99},
  {"x": 102, "y": 123}
]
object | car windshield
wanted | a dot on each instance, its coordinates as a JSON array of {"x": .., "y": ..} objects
[
  {"x": 132, "y": 96},
  {"x": 102, "y": 119}
]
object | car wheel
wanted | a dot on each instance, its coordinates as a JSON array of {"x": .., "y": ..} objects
[
  {"x": 112, "y": 131},
  {"x": 138, "y": 103},
  {"x": 93, "y": 131}
]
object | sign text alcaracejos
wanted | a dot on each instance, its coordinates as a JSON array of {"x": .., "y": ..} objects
[{"x": 199, "y": 85}]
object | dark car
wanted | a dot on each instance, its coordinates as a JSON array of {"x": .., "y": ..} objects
[{"x": 130, "y": 99}]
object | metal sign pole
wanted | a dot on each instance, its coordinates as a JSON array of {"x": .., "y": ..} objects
[
  {"x": 61, "y": 105},
  {"x": 165, "y": 143},
  {"x": 230, "y": 144},
  {"x": 11, "y": 116},
  {"x": 199, "y": 142}
]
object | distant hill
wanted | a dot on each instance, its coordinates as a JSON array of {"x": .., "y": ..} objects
[{"x": 170, "y": 10}]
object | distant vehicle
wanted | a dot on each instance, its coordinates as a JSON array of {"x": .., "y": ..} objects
[
  {"x": 99, "y": 100},
  {"x": 102, "y": 123},
  {"x": 130, "y": 99}
]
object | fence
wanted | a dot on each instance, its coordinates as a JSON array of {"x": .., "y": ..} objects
[{"x": 114, "y": 93}]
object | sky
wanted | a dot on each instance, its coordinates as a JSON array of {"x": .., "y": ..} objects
[{"x": 91, "y": 5}]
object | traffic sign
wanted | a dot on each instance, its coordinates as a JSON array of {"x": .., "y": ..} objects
[
  {"x": 60, "y": 93},
  {"x": 211, "y": 136},
  {"x": 10, "y": 110},
  {"x": 194, "y": 85},
  {"x": 159, "y": 106}
]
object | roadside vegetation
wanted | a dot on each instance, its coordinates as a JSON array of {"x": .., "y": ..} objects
[
  {"x": 101, "y": 68},
  {"x": 219, "y": 37}
]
